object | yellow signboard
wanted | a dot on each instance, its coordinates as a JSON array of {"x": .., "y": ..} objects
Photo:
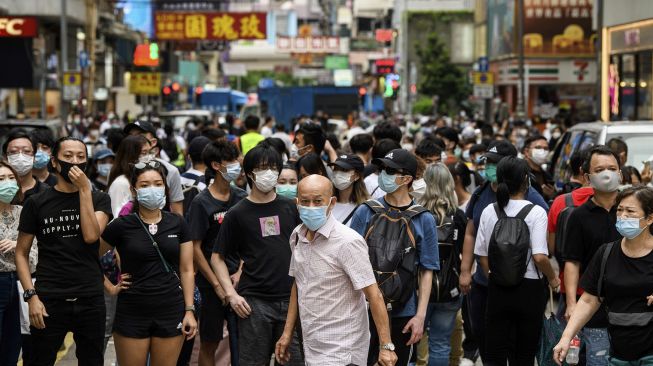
[
  {"x": 481, "y": 78},
  {"x": 72, "y": 85},
  {"x": 145, "y": 83}
]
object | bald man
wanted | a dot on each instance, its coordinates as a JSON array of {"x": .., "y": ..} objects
[{"x": 333, "y": 276}]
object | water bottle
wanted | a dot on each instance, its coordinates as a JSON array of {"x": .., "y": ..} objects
[{"x": 574, "y": 351}]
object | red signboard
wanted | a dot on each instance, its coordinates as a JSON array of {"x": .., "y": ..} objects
[
  {"x": 384, "y": 35},
  {"x": 18, "y": 27},
  {"x": 227, "y": 26}
]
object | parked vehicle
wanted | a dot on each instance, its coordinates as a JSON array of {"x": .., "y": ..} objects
[
  {"x": 638, "y": 135},
  {"x": 179, "y": 118}
]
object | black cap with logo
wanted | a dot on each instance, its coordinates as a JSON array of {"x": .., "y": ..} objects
[
  {"x": 498, "y": 150},
  {"x": 349, "y": 162},
  {"x": 399, "y": 159},
  {"x": 143, "y": 126}
]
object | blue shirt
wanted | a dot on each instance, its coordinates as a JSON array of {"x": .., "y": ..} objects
[
  {"x": 426, "y": 241},
  {"x": 485, "y": 196}
]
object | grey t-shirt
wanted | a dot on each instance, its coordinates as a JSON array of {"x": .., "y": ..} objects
[{"x": 174, "y": 181}]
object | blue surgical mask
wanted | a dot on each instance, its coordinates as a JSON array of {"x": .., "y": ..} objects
[
  {"x": 8, "y": 190},
  {"x": 491, "y": 173},
  {"x": 104, "y": 169},
  {"x": 233, "y": 172},
  {"x": 41, "y": 159},
  {"x": 387, "y": 182},
  {"x": 151, "y": 198},
  {"x": 313, "y": 217},
  {"x": 287, "y": 190},
  {"x": 629, "y": 227}
]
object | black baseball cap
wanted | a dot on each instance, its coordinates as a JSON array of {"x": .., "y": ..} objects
[
  {"x": 197, "y": 145},
  {"x": 399, "y": 159},
  {"x": 103, "y": 153},
  {"x": 498, "y": 150},
  {"x": 349, "y": 162},
  {"x": 143, "y": 126}
]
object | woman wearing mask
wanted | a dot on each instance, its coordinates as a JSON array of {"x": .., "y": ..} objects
[
  {"x": 103, "y": 162},
  {"x": 418, "y": 187},
  {"x": 10, "y": 331},
  {"x": 440, "y": 199},
  {"x": 132, "y": 149},
  {"x": 620, "y": 275},
  {"x": 287, "y": 182},
  {"x": 349, "y": 186},
  {"x": 514, "y": 312},
  {"x": 311, "y": 164},
  {"x": 155, "y": 309}
]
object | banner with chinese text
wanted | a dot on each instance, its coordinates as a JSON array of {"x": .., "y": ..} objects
[
  {"x": 227, "y": 26},
  {"x": 145, "y": 83}
]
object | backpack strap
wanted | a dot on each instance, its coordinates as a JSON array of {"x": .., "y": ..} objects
[
  {"x": 413, "y": 211},
  {"x": 525, "y": 211},
  {"x": 604, "y": 262},
  {"x": 351, "y": 214},
  {"x": 569, "y": 200},
  {"x": 375, "y": 206},
  {"x": 501, "y": 214}
]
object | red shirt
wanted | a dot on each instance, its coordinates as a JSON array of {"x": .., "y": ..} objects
[{"x": 579, "y": 196}]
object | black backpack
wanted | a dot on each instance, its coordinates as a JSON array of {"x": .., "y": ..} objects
[
  {"x": 509, "y": 247},
  {"x": 190, "y": 191},
  {"x": 393, "y": 252},
  {"x": 445, "y": 281},
  {"x": 561, "y": 226}
]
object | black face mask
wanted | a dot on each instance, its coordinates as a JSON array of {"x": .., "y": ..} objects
[{"x": 65, "y": 169}]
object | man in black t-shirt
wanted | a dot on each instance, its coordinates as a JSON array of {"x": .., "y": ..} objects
[
  {"x": 67, "y": 221},
  {"x": 258, "y": 229},
  {"x": 205, "y": 217}
]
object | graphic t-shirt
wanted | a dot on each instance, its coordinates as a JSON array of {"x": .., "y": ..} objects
[
  {"x": 259, "y": 234},
  {"x": 67, "y": 267},
  {"x": 205, "y": 218},
  {"x": 139, "y": 257}
]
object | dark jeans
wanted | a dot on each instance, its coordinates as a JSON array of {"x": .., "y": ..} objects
[
  {"x": 477, "y": 299},
  {"x": 9, "y": 319},
  {"x": 514, "y": 322},
  {"x": 399, "y": 339},
  {"x": 84, "y": 317},
  {"x": 470, "y": 346},
  {"x": 232, "y": 327},
  {"x": 258, "y": 334}
]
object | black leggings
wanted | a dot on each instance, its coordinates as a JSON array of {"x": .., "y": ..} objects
[
  {"x": 513, "y": 322},
  {"x": 399, "y": 339}
]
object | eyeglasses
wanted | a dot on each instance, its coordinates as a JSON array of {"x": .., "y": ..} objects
[{"x": 152, "y": 164}]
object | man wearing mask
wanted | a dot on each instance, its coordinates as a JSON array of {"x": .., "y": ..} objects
[
  {"x": 451, "y": 139},
  {"x": 310, "y": 138},
  {"x": 173, "y": 180},
  {"x": 103, "y": 160},
  {"x": 483, "y": 196},
  {"x": 44, "y": 142},
  {"x": 205, "y": 217},
  {"x": 536, "y": 154},
  {"x": 19, "y": 150},
  {"x": 340, "y": 290},
  {"x": 67, "y": 221},
  {"x": 257, "y": 230},
  {"x": 589, "y": 226}
]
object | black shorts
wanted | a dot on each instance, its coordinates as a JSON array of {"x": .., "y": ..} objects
[
  {"x": 212, "y": 314},
  {"x": 145, "y": 316}
]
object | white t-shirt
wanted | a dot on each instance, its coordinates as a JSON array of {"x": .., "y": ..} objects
[
  {"x": 120, "y": 193},
  {"x": 537, "y": 224},
  {"x": 372, "y": 183},
  {"x": 342, "y": 210}
]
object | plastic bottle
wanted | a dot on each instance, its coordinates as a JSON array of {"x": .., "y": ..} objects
[{"x": 574, "y": 351}]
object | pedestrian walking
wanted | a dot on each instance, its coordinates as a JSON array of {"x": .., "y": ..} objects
[{"x": 349, "y": 186}]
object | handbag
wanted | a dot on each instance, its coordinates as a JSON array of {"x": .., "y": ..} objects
[{"x": 166, "y": 265}]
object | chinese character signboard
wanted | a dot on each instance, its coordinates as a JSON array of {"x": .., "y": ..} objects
[
  {"x": 26, "y": 27},
  {"x": 213, "y": 26},
  {"x": 336, "y": 62},
  {"x": 558, "y": 27},
  {"x": 308, "y": 44},
  {"x": 72, "y": 85},
  {"x": 145, "y": 83}
]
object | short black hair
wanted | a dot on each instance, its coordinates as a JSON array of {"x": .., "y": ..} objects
[
  {"x": 449, "y": 133},
  {"x": 16, "y": 134},
  {"x": 252, "y": 122},
  {"x": 383, "y": 147},
  {"x": 618, "y": 146},
  {"x": 460, "y": 169},
  {"x": 42, "y": 136},
  {"x": 214, "y": 134},
  {"x": 576, "y": 161},
  {"x": 387, "y": 130},
  {"x": 427, "y": 148},
  {"x": 278, "y": 144},
  {"x": 261, "y": 155},
  {"x": 57, "y": 146},
  {"x": 313, "y": 135},
  {"x": 114, "y": 138},
  {"x": 361, "y": 143},
  {"x": 312, "y": 164},
  {"x": 437, "y": 140},
  {"x": 531, "y": 139},
  {"x": 598, "y": 150},
  {"x": 219, "y": 151},
  {"x": 627, "y": 172},
  {"x": 477, "y": 148}
]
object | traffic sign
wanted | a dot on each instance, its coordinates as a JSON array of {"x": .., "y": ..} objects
[
  {"x": 483, "y": 78},
  {"x": 72, "y": 85},
  {"x": 483, "y": 64},
  {"x": 83, "y": 59},
  {"x": 483, "y": 91}
]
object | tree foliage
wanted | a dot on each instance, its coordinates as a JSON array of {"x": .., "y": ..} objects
[{"x": 439, "y": 76}]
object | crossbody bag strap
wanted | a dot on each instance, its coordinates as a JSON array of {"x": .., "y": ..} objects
[{"x": 166, "y": 265}]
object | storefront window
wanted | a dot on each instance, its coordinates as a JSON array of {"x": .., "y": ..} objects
[
  {"x": 627, "y": 87},
  {"x": 645, "y": 85}
]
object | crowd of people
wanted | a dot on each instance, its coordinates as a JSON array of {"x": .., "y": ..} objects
[{"x": 402, "y": 242}]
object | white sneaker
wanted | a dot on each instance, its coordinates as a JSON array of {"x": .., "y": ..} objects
[{"x": 466, "y": 362}]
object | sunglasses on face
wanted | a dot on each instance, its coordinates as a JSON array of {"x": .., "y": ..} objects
[{"x": 393, "y": 171}]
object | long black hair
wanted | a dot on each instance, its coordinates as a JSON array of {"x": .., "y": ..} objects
[{"x": 512, "y": 176}]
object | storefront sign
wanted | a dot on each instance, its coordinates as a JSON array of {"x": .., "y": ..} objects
[
  {"x": 384, "y": 35},
  {"x": 72, "y": 85},
  {"x": 18, "y": 27},
  {"x": 308, "y": 44},
  {"x": 481, "y": 78},
  {"x": 550, "y": 72},
  {"x": 384, "y": 66},
  {"x": 215, "y": 26},
  {"x": 145, "y": 83},
  {"x": 336, "y": 62}
]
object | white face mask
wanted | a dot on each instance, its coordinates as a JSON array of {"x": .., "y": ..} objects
[
  {"x": 419, "y": 188},
  {"x": 342, "y": 180},
  {"x": 94, "y": 134},
  {"x": 21, "y": 162},
  {"x": 266, "y": 180},
  {"x": 539, "y": 156}
]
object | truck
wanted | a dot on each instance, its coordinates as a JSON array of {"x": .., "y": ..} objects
[
  {"x": 286, "y": 103},
  {"x": 222, "y": 100}
]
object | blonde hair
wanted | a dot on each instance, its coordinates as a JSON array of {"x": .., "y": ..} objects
[{"x": 439, "y": 197}]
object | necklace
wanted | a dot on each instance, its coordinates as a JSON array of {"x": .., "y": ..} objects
[
  {"x": 153, "y": 228},
  {"x": 7, "y": 218}
]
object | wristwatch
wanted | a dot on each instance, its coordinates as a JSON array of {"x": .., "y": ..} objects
[
  {"x": 190, "y": 308},
  {"x": 388, "y": 347},
  {"x": 28, "y": 294}
]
